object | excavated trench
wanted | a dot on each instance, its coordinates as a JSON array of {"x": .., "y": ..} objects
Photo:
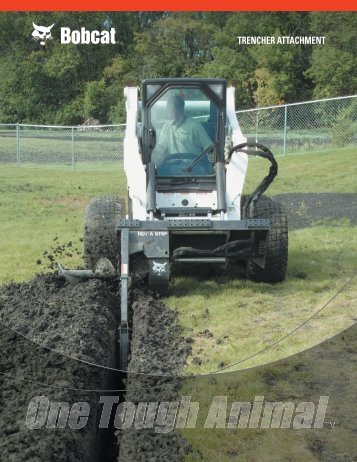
[{"x": 59, "y": 342}]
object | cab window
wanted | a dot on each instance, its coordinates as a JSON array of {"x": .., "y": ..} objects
[{"x": 185, "y": 122}]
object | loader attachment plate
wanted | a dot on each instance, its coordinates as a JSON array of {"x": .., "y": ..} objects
[{"x": 181, "y": 223}]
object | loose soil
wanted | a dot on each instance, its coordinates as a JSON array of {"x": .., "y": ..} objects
[
  {"x": 50, "y": 331},
  {"x": 45, "y": 326},
  {"x": 305, "y": 210},
  {"x": 157, "y": 348}
]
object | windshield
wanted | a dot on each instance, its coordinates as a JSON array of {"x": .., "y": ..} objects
[{"x": 185, "y": 122}]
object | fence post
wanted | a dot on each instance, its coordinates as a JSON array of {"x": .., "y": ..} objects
[
  {"x": 285, "y": 126},
  {"x": 17, "y": 145},
  {"x": 256, "y": 127},
  {"x": 72, "y": 148}
]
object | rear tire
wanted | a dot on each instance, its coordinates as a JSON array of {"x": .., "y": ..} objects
[
  {"x": 276, "y": 259},
  {"x": 100, "y": 239}
]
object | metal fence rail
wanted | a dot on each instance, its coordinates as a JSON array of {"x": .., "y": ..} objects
[{"x": 288, "y": 129}]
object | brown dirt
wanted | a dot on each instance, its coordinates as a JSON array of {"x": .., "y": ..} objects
[
  {"x": 307, "y": 209},
  {"x": 157, "y": 348},
  {"x": 48, "y": 328},
  {"x": 45, "y": 326}
]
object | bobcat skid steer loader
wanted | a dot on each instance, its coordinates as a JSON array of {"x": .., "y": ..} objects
[{"x": 185, "y": 159}]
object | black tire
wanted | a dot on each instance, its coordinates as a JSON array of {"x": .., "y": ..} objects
[
  {"x": 276, "y": 260},
  {"x": 100, "y": 239}
]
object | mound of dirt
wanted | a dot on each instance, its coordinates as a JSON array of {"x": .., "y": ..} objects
[
  {"x": 307, "y": 209},
  {"x": 54, "y": 338},
  {"x": 67, "y": 319},
  {"x": 157, "y": 348},
  {"x": 45, "y": 325}
]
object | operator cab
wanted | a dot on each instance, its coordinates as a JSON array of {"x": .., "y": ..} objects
[{"x": 183, "y": 131}]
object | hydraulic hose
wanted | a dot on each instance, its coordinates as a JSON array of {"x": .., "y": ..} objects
[{"x": 256, "y": 149}]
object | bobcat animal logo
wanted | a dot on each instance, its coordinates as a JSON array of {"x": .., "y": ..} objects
[
  {"x": 41, "y": 33},
  {"x": 158, "y": 268}
]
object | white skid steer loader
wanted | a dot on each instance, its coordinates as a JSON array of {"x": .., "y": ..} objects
[{"x": 185, "y": 159}]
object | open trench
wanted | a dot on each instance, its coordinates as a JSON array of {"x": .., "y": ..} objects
[{"x": 59, "y": 342}]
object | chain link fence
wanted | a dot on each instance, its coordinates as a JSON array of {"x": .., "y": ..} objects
[
  {"x": 303, "y": 127},
  {"x": 80, "y": 147},
  {"x": 289, "y": 129}
]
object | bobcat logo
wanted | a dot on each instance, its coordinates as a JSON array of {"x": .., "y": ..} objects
[
  {"x": 158, "y": 268},
  {"x": 41, "y": 33}
]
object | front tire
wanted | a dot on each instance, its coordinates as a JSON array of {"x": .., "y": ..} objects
[
  {"x": 100, "y": 239},
  {"x": 276, "y": 260}
]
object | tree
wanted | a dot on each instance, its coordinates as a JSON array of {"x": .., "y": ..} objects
[
  {"x": 333, "y": 66},
  {"x": 66, "y": 83},
  {"x": 96, "y": 101},
  {"x": 262, "y": 74},
  {"x": 175, "y": 46}
]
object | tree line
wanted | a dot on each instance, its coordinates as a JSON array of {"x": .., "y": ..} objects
[{"x": 67, "y": 84}]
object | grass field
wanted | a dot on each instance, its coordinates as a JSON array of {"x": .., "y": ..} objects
[
  {"x": 43, "y": 208},
  {"x": 40, "y": 204}
]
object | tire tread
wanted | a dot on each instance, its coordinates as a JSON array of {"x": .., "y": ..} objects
[
  {"x": 100, "y": 239},
  {"x": 276, "y": 260}
]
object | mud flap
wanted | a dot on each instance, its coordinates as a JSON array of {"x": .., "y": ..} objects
[{"x": 159, "y": 274}]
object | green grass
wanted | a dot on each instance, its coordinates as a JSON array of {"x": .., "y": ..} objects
[
  {"x": 38, "y": 205},
  {"x": 244, "y": 317},
  {"x": 330, "y": 171},
  {"x": 303, "y": 377}
]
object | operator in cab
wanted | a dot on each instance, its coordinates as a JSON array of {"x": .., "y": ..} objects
[{"x": 182, "y": 134}]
